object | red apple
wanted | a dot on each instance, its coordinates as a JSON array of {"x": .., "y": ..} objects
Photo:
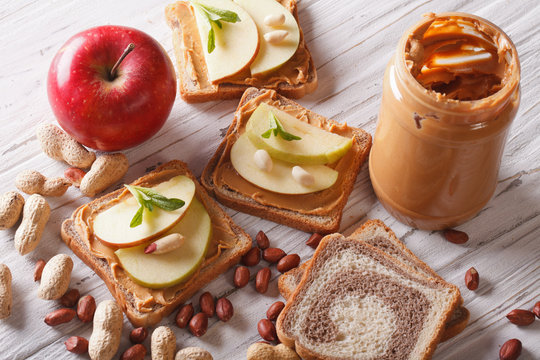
[{"x": 111, "y": 111}]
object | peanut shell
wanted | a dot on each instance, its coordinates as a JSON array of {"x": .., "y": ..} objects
[{"x": 55, "y": 277}]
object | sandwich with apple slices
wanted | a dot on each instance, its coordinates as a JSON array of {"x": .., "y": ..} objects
[
  {"x": 155, "y": 242},
  {"x": 222, "y": 47},
  {"x": 285, "y": 163}
]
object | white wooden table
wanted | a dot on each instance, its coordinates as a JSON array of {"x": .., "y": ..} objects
[{"x": 351, "y": 42}]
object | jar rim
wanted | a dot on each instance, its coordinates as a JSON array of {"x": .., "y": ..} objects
[{"x": 429, "y": 97}]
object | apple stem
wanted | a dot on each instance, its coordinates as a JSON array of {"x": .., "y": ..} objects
[{"x": 129, "y": 48}]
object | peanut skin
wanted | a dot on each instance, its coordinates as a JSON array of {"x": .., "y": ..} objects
[
  {"x": 11, "y": 205},
  {"x": 5, "y": 292},
  {"x": 105, "y": 338},
  {"x": 60, "y": 146},
  {"x": 74, "y": 175},
  {"x": 105, "y": 171},
  {"x": 55, "y": 277},
  {"x": 36, "y": 213},
  {"x": 32, "y": 182},
  {"x": 163, "y": 344},
  {"x": 38, "y": 269}
]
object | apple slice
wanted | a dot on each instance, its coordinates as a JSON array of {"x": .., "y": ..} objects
[
  {"x": 112, "y": 225},
  {"x": 271, "y": 56},
  {"x": 279, "y": 179},
  {"x": 158, "y": 271},
  {"x": 236, "y": 44},
  {"x": 317, "y": 146}
]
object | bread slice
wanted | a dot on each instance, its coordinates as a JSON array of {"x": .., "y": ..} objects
[
  {"x": 357, "y": 302},
  {"x": 377, "y": 234},
  {"x": 143, "y": 306},
  {"x": 292, "y": 210},
  {"x": 458, "y": 321},
  {"x": 296, "y": 78}
]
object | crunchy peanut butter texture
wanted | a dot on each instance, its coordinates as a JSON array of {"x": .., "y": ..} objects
[{"x": 458, "y": 58}]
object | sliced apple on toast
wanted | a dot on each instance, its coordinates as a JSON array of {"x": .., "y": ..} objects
[
  {"x": 316, "y": 146},
  {"x": 271, "y": 55},
  {"x": 235, "y": 44},
  {"x": 164, "y": 270},
  {"x": 112, "y": 226},
  {"x": 280, "y": 178}
]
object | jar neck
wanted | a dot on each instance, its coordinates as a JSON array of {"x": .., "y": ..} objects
[{"x": 465, "y": 112}]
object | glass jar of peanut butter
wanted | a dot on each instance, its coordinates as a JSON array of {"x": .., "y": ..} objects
[{"x": 450, "y": 94}]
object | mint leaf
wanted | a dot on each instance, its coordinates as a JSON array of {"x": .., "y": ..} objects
[
  {"x": 211, "y": 40},
  {"x": 285, "y": 135},
  {"x": 145, "y": 191},
  {"x": 156, "y": 199},
  {"x": 168, "y": 204},
  {"x": 267, "y": 133},
  {"x": 277, "y": 129},
  {"x": 273, "y": 128},
  {"x": 136, "y": 194},
  {"x": 220, "y": 14},
  {"x": 137, "y": 218},
  {"x": 148, "y": 198},
  {"x": 215, "y": 16},
  {"x": 152, "y": 197},
  {"x": 289, "y": 137},
  {"x": 148, "y": 205}
]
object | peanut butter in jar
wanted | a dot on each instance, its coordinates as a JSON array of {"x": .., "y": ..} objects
[{"x": 450, "y": 94}]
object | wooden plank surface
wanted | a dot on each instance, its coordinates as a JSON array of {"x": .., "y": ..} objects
[{"x": 351, "y": 42}]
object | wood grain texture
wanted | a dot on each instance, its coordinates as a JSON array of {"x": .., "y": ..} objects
[{"x": 351, "y": 42}]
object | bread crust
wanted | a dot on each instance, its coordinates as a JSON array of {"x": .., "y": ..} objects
[
  {"x": 286, "y": 282},
  {"x": 227, "y": 91},
  {"x": 455, "y": 326},
  {"x": 323, "y": 224},
  {"x": 308, "y": 354},
  {"x": 227, "y": 258}
]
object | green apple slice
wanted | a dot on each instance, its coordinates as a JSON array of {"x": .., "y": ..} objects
[
  {"x": 112, "y": 225},
  {"x": 159, "y": 271},
  {"x": 236, "y": 44},
  {"x": 271, "y": 56},
  {"x": 317, "y": 146},
  {"x": 279, "y": 179}
]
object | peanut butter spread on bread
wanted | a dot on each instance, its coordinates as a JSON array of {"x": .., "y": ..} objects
[
  {"x": 318, "y": 203},
  {"x": 295, "y": 71},
  {"x": 145, "y": 298}
]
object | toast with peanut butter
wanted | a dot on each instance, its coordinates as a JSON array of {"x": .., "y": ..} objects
[
  {"x": 384, "y": 239},
  {"x": 146, "y": 305},
  {"x": 355, "y": 301},
  {"x": 317, "y": 211},
  {"x": 294, "y": 78}
]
